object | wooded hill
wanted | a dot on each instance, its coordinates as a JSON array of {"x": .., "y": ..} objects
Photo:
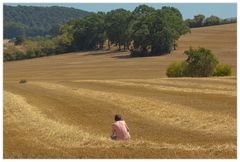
[{"x": 37, "y": 21}]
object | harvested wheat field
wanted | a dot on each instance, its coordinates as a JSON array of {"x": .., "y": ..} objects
[{"x": 66, "y": 107}]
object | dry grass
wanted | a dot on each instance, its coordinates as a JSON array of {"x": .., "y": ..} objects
[{"x": 66, "y": 108}]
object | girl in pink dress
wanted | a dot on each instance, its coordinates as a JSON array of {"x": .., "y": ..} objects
[{"x": 120, "y": 129}]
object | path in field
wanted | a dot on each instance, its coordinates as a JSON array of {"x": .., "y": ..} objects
[{"x": 78, "y": 114}]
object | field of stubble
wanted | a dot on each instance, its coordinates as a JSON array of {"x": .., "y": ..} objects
[{"x": 66, "y": 108}]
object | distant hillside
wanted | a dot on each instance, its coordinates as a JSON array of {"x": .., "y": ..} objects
[{"x": 36, "y": 21}]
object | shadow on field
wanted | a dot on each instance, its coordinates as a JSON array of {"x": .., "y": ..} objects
[
  {"x": 102, "y": 53},
  {"x": 123, "y": 57},
  {"x": 128, "y": 56}
]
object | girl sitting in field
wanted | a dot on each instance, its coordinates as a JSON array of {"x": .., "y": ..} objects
[{"x": 120, "y": 129}]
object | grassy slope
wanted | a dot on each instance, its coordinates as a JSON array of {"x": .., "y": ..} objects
[{"x": 66, "y": 107}]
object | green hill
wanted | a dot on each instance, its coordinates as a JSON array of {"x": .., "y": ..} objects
[{"x": 36, "y": 21}]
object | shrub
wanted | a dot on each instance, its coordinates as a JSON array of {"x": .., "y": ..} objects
[
  {"x": 19, "y": 40},
  {"x": 201, "y": 62},
  {"x": 177, "y": 69},
  {"x": 222, "y": 70},
  {"x": 30, "y": 54},
  {"x": 19, "y": 55},
  {"x": 23, "y": 81}
]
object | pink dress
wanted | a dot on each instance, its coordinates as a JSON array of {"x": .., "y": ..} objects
[{"x": 120, "y": 129}]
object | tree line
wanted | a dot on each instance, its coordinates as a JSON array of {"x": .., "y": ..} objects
[
  {"x": 200, "y": 21},
  {"x": 32, "y": 21},
  {"x": 145, "y": 31}
]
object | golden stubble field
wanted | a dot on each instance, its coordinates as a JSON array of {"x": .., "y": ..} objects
[{"x": 66, "y": 108}]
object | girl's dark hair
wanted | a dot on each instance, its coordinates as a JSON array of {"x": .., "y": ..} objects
[{"x": 118, "y": 117}]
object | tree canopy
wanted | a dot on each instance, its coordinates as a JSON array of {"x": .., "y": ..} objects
[
  {"x": 36, "y": 21},
  {"x": 201, "y": 62},
  {"x": 116, "y": 26},
  {"x": 201, "y": 20},
  {"x": 88, "y": 33},
  {"x": 212, "y": 20},
  {"x": 155, "y": 32}
]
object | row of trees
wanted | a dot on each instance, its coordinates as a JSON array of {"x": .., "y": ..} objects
[
  {"x": 32, "y": 48},
  {"x": 200, "y": 21},
  {"x": 145, "y": 31}
]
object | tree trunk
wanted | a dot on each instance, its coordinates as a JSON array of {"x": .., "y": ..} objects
[
  {"x": 109, "y": 44},
  {"x": 174, "y": 45},
  {"x": 119, "y": 47}
]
